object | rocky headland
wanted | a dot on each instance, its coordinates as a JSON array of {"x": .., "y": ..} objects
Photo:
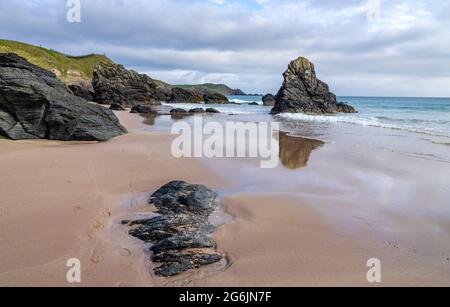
[
  {"x": 303, "y": 92},
  {"x": 180, "y": 234},
  {"x": 34, "y": 104},
  {"x": 113, "y": 83}
]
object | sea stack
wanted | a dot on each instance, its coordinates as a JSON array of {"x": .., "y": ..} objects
[{"x": 303, "y": 92}]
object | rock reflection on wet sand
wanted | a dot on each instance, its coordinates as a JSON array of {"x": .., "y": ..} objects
[
  {"x": 295, "y": 151},
  {"x": 149, "y": 119}
]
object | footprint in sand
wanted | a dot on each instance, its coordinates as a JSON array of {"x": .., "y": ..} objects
[
  {"x": 124, "y": 252},
  {"x": 105, "y": 212},
  {"x": 95, "y": 257},
  {"x": 84, "y": 237},
  {"x": 98, "y": 225},
  {"x": 393, "y": 244}
]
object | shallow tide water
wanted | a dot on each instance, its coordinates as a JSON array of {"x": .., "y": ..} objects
[{"x": 384, "y": 180}]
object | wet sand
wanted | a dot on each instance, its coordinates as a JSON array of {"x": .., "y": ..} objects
[{"x": 61, "y": 201}]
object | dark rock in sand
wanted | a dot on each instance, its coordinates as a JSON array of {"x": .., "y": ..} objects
[
  {"x": 117, "y": 107},
  {"x": 181, "y": 197},
  {"x": 212, "y": 110},
  {"x": 180, "y": 95},
  {"x": 253, "y": 104},
  {"x": 268, "y": 100},
  {"x": 34, "y": 104},
  {"x": 164, "y": 226},
  {"x": 215, "y": 98},
  {"x": 83, "y": 89},
  {"x": 114, "y": 84},
  {"x": 175, "y": 262},
  {"x": 182, "y": 228},
  {"x": 302, "y": 92},
  {"x": 142, "y": 109},
  {"x": 187, "y": 240},
  {"x": 197, "y": 110}
]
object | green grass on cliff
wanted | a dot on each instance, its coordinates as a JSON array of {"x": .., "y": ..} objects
[
  {"x": 218, "y": 88},
  {"x": 70, "y": 67}
]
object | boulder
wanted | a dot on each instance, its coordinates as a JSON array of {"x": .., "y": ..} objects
[
  {"x": 268, "y": 100},
  {"x": 34, "y": 104},
  {"x": 83, "y": 89},
  {"x": 215, "y": 98},
  {"x": 181, "y": 233},
  {"x": 180, "y": 95},
  {"x": 197, "y": 110},
  {"x": 117, "y": 107},
  {"x": 178, "y": 111},
  {"x": 212, "y": 110},
  {"x": 141, "y": 109},
  {"x": 303, "y": 92},
  {"x": 114, "y": 84}
]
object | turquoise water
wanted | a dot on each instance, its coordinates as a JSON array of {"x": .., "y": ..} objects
[{"x": 420, "y": 115}]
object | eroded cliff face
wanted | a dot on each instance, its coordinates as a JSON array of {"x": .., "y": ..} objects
[{"x": 303, "y": 92}]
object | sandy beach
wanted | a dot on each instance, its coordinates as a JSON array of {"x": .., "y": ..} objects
[{"x": 66, "y": 200}]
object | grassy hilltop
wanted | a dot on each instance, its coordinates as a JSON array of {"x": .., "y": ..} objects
[
  {"x": 72, "y": 68},
  {"x": 67, "y": 67}
]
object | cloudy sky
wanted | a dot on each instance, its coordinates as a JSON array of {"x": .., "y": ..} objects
[{"x": 403, "y": 51}]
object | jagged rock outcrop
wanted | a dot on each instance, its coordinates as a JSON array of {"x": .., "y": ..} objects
[
  {"x": 181, "y": 95},
  {"x": 35, "y": 105},
  {"x": 114, "y": 84},
  {"x": 181, "y": 234},
  {"x": 302, "y": 92},
  {"x": 83, "y": 89},
  {"x": 268, "y": 100},
  {"x": 215, "y": 98}
]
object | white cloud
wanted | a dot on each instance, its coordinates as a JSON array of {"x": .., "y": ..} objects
[{"x": 249, "y": 43}]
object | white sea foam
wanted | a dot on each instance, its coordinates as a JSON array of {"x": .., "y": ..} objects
[
  {"x": 224, "y": 108},
  {"x": 241, "y": 101},
  {"x": 363, "y": 121}
]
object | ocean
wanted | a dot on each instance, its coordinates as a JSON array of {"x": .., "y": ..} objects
[
  {"x": 421, "y": 115},
  {"x": 416, "y": 127}
]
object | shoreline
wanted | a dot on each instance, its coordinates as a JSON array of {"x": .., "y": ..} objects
[{"x": 278, "y": 237}]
